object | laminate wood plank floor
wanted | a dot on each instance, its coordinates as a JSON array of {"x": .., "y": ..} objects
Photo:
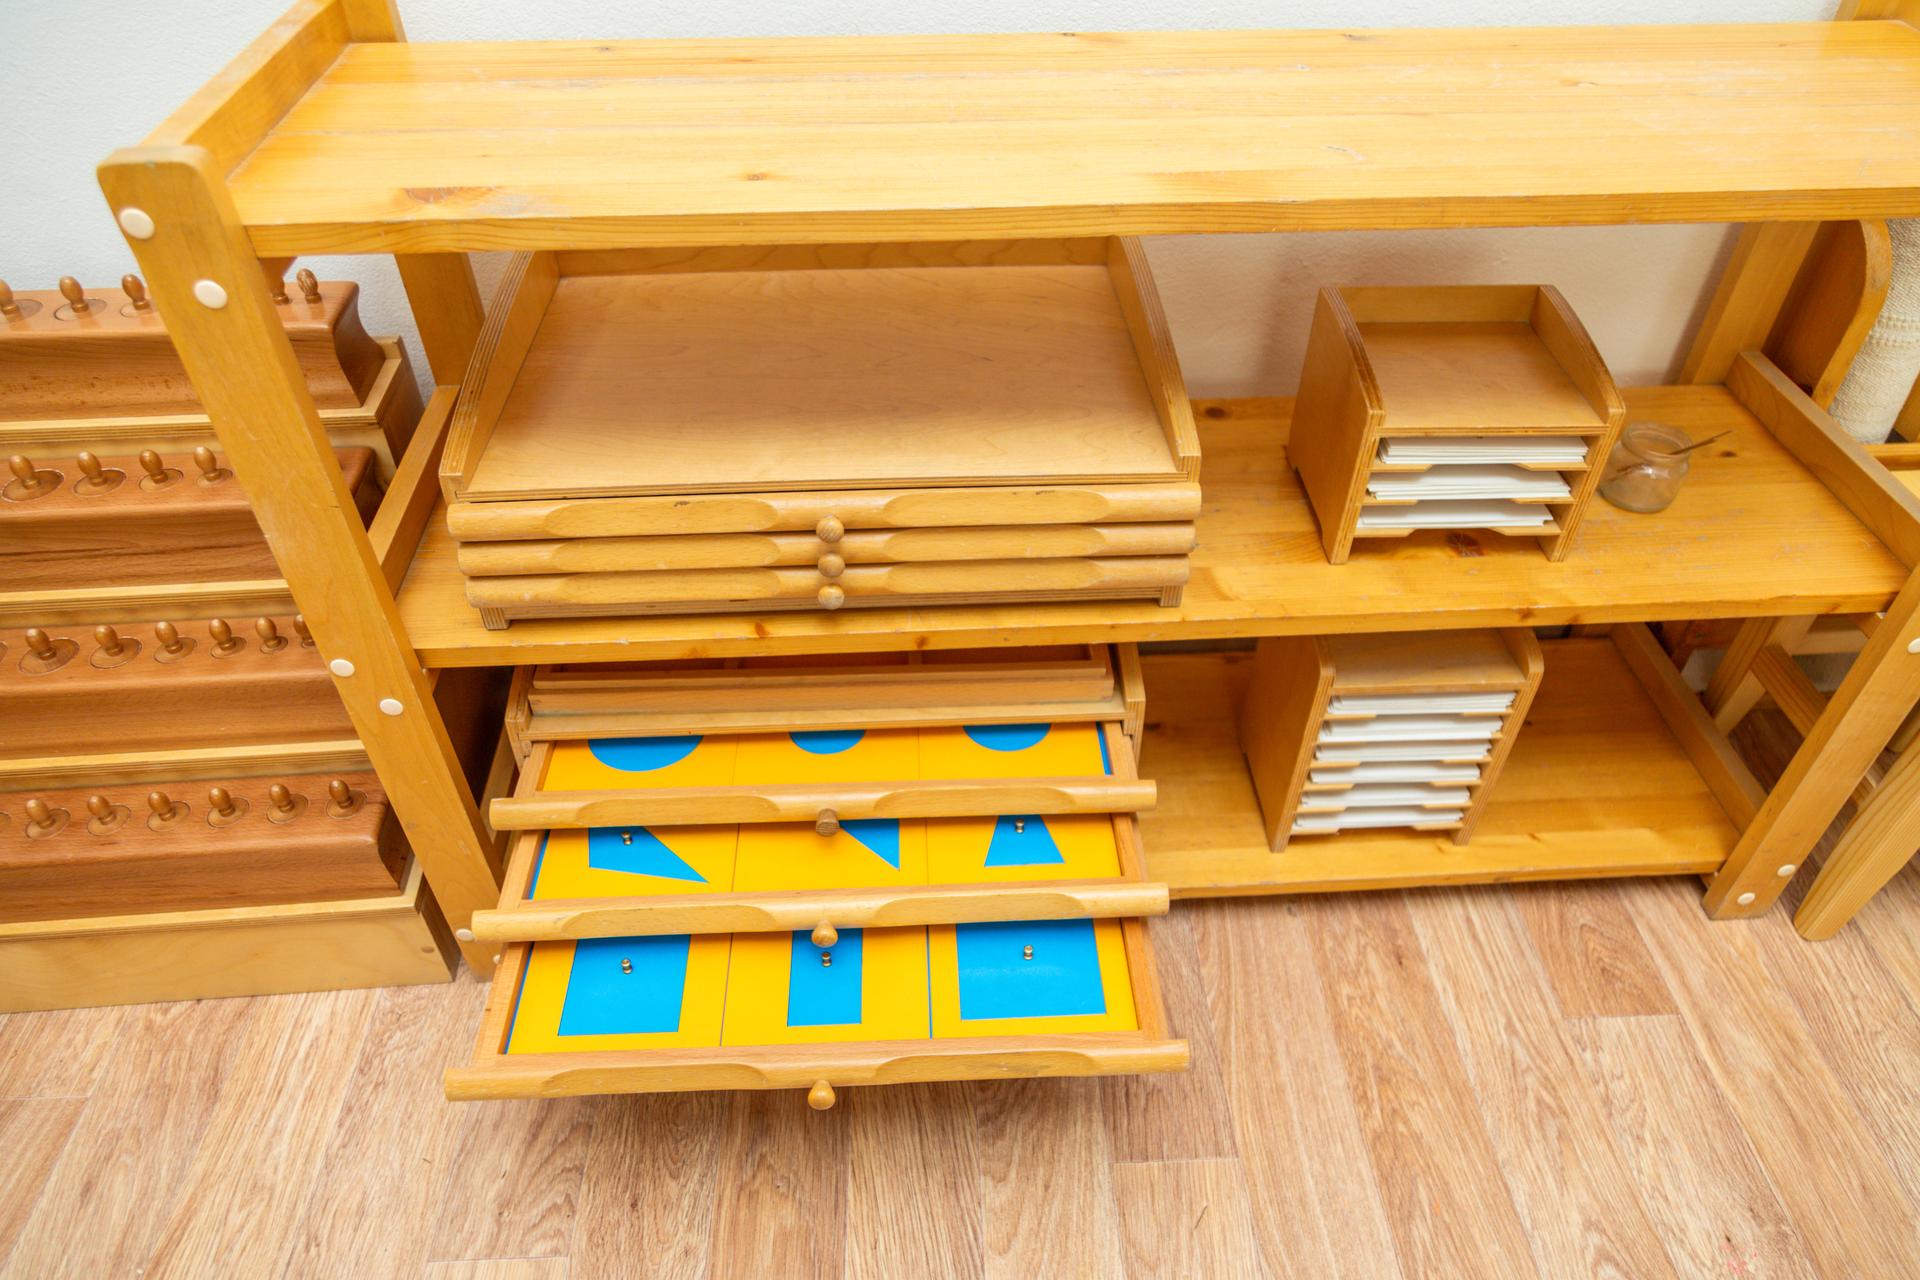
[{"x": 1555, "y": 1080}]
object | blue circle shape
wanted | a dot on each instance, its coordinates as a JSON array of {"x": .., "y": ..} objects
[
  {"x": 643, "y": 755},
  {"x": 1007, "y": 737},
  {"x": 827, "y": 742}
]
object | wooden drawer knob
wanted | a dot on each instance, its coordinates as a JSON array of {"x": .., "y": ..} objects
[
  {"x": 820, "y": 1097},
  {"x": 832, "y": 566},
  {"x": 830, "y": 529},
  {"x": 828, "y": 823},
  {"x": 831, "y": 597},
  {"x": 825, "y": 935}
]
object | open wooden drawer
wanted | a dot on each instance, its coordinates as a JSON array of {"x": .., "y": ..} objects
[
  {"x": 957, "y": 831},
  {"x": 670, "y": 1013}
]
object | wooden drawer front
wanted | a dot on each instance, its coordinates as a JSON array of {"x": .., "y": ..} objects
[
  {"x": 81, "y": 865},
  {"x": 1178, "y": 501},
  {"x": 700, "y": 590},
  {"x": 774, "y": 1010},
  {"x": 825, "y": 777},
  {"x": 808, "y": 548},
  {"x": 1009, "y": 863}
]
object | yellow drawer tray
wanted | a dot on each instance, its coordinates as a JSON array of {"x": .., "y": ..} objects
[
  {"x": 603, "y": 862},
  {"x": 678, "y": 1012}
]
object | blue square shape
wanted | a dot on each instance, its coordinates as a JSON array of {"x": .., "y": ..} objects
[
  {"x": 998, "y": 981},
  {"x": 605, "y": 1000}
]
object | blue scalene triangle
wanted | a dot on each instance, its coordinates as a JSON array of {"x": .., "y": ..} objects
[
  {"x": 1029, "y": 848},
  {"x": 882, "y": 835},
  {"x": 645, "y": 856}
]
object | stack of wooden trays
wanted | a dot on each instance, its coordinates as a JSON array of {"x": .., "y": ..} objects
[
  {"x": 956, "y": 892},
  {"x": 1469, "y": 408},
  {"x": 185, "y": 810},
  {"x": 1350, "y": 733},
  {"x": 817, "y": 428}
]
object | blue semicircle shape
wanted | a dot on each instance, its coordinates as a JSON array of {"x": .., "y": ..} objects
[
  {"x": 1007, "y": 737},
  {"x": 643, "y": 755},
  {"x": 827, "y": 742}
]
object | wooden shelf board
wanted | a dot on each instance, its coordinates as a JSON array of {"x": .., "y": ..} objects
[
  {"x": 758, "y": 381},
  {"x": 1596, "y": 786},
  {"x": 1753, "y": 533},
  {"x": 475, "y": 146}
]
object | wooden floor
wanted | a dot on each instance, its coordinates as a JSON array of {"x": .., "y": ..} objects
[{"x": 1562, "y": 1080}]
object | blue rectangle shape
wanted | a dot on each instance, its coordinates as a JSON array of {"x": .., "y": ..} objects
[
  {"x": 998, "y": 981},
  {"x": 604, "y": 999},
  {"x": 822, "y": 995}
]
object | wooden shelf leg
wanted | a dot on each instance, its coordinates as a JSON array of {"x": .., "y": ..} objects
[
  {"x": 446, "y": 306},
  {"x": 1862, "y": 714},
  {"x": 1884, "y": 834},
  {"x": 1746, "y": 302},
  {"x": 1734, "y": 689},
  {"x": 205, "y": 279}
]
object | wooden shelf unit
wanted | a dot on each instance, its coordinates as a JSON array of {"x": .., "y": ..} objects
[{"x": 330, "y": 134}]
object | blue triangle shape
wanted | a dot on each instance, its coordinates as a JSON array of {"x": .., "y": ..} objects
[
  {"x": 637, "y": 852},
  {"x": 882, "y": 835},
  {"x": 1022, "y": 840}
]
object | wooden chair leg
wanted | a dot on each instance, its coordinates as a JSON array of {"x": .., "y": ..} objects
[{"x": 1880, "y": 840}]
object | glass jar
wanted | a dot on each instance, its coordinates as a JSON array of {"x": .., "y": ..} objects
[{"x": 1646, "y": 467}]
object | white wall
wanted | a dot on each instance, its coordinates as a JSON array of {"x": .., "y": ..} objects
[{"x": 81, "y": 77}]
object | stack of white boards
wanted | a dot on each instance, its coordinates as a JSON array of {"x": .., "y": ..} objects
[{"x": 1403, "y": 760}]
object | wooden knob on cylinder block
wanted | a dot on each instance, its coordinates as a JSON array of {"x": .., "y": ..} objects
[
  {"x": 827, "y": 823},
  {"x": 300, "y": 629},
  {"x": 225, "y": 808},
  {"x": 106, "y": 815},
  {"x": 285, "y": 806},
  {"x": 94, "y": 477},
  {"x": 830, "y": 596},
  {"x": 277, "y": 283},
  {"x": 825, "y": 935},
  {"x": 173, "y": 646},
  {"x": 111, "y": 650},
  {"x": 211, "y": 472},
  {"x": 342, "y": 800},
  {"x": 830, "y": 529},
  {"x": 136, "y": 292},
  {"x": 224, "y": 641},
  {"x": 309, "y": 285},
  {"x": 159, "y": 474},
  {"x": 75, "y": 295},
  {"x": 820, "y": 1097},
  {"x": 8, "y": 307},
  {"x": 45, "y": 653},
  {"x": 162, "y": 812},
  {"x": 29, "y": 481},
  {"x": 832, "y": 566},
  {"x": 40, "y": 645},
  {"x": 271, "y": 641},
  {"x": 43, "y": 819}
]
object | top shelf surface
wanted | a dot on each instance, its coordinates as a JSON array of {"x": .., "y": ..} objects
[{"x": 405, "y": 147}]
